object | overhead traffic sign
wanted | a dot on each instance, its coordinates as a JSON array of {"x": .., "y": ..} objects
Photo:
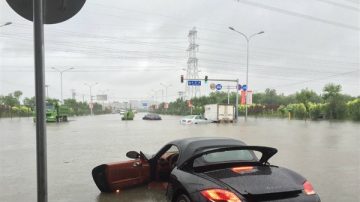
[
  {"x": 194, "y": 83},
  {"x": 218, "y": 86}
]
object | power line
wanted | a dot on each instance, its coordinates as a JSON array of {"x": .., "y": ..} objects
[
  {"x": 300, "y": 15},
  {"x": 340, "y": 5},
  {"x": 317, "y": 79}
]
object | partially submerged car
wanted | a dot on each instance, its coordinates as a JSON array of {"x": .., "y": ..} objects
[
  {"x": 193, "y": 119},
  {"x": 152, "y": 117},
  {"x": 208, "y": 170}
]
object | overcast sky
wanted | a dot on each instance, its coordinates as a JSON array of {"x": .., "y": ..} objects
[{"x": 131, "y": 46}]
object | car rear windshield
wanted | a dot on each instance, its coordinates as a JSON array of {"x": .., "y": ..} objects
[{"x": 225, "y": 156}]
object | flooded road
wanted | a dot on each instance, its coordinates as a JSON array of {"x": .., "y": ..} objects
[{"x": 327, "y": 153}]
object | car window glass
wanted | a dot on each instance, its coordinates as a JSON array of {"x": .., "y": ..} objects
[{"x": 225, "y": 156}]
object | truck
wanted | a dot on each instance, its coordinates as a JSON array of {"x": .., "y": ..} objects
[
  {"x": 129, "y": 115},
  {"x": 219, "y": 113},
  {"x": 55, "y": 112}
]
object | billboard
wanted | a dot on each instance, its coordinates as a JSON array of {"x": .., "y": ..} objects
[
  {"x": 101, "y": 97},
  {"x": 248, "y": 96}
]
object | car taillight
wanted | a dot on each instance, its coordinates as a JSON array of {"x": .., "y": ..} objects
[
  {"x": 308, "y": 188},
  {"x": 242, "y": 169},
  {"x": 220, "y": 195}
]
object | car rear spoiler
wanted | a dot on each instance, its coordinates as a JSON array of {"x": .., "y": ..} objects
[{"x": 267, "y": 152}]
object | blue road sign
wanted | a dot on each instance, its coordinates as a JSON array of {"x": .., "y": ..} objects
[
  {"x": 218, "y": 86},
  {"x": 194, "y": 83},
  {"x": 239, "y": 87},
  {"x": 244, "y": 87}
]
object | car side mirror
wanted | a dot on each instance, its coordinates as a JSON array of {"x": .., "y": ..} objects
[{"x": 132, "y": 155}]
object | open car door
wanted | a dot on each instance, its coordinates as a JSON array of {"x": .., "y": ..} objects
[{"x": 115, "y": 176}]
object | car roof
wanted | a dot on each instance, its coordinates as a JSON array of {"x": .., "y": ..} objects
[{"x": 189, "y": 147}]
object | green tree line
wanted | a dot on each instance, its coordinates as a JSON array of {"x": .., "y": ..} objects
[
  {"x": 304, "y": 104},
  {"x": 11, "y": 105}
]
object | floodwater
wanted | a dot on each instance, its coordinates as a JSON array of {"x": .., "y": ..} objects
[{"x": 327, "y": 153}]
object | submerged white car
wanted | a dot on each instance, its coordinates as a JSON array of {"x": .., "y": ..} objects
[{"x": 194, "y": 119}]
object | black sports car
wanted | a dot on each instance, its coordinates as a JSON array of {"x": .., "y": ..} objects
[{"x": 209, "y": 170}]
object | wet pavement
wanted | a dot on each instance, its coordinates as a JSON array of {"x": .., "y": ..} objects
[{"x": 327, "y": 153}]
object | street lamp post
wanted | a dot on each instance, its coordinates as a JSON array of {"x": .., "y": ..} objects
[
  {"x": 156, "y": 94},
  {"x": 166, "y": 90},
  {"x": 247, "y": 63},
  {"x": 61, "y": 81},
  {"x": 91, "y": 97},
  {"x": 8, "y": 23}
]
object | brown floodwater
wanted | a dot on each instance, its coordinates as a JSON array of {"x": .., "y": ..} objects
[{"x": 326, "y": 153}]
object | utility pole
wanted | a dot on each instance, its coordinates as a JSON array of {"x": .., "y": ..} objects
[
  {"x": 61, "y": 71},
  {"x": 192, "y": 72},
  {"x": 91, "y": 97},
  {"x": 228, "y": 94}
]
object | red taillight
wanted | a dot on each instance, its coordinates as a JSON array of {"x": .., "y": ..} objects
[
  {"x": 242, "y": 169},
  {"x": 308, "y": 188},
  {"x": 220, "y": 195}
]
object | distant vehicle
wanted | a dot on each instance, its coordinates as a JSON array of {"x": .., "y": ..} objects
[
  {"x": 56, "y": 112},
  {"x": 151, "y": 117},
  {"x": 194, "y": 119},
  {"x": 219, "y": 112},
  {"x": 208, "y": 169},
  {"x": 122, "y": 111},
  {"x": 129, "y": 115}
]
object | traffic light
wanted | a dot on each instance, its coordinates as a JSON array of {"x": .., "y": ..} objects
[
  {"x": 206, "y": 79},
  {"x": 182, "y": 78}
]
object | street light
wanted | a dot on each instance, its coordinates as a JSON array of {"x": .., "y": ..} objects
[
  {"x": 155, "y": 92},
  {"x": 247, "y": 62},
  {"x": 8, "y": 23},
  {"x": 166, "y": 90},
  {"x": 91, "y": 97},
  {"x": 61, "y": 82}
]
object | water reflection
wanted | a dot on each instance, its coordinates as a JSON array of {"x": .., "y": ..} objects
[
  {"x": 309, "y": 148},
  {"x": 142, "y": 193}
]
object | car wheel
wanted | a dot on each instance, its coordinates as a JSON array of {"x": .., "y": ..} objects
[{"x": 183, "y": 198}]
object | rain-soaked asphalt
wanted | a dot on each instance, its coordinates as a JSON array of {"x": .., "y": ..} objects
[{"x": 327, "y": 153}]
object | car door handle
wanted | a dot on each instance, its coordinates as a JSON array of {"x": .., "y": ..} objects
[{"x": 136, "y": 164}]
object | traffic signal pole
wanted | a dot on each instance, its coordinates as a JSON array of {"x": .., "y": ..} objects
[{"x": 182, "y": 79}]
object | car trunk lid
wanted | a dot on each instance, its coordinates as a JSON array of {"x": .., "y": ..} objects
[{"x": 256, "y": 181}]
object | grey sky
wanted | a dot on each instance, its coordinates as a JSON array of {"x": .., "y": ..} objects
[{"x": 129, "y": 47}]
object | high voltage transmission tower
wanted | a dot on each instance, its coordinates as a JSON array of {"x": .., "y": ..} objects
[{"x": 192, "y": 71}]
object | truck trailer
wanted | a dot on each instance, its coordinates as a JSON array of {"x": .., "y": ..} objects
[{"x": 219, "y": 112}]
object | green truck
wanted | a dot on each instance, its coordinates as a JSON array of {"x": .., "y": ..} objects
[
  {"x": 129, "y": 115},
  {"x": 55, "y": 112}
]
